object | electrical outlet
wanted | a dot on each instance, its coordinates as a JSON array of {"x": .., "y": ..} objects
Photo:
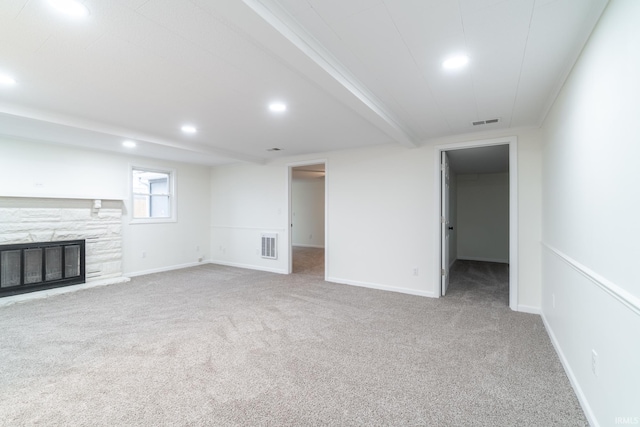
[
  {"x": 144, "y": 254},
  {"x": 310, "y": 236},
  {"x": 200, "y": 259},
  {"x": 416, "y": 272},
  {"x": 594, "y": 363}
]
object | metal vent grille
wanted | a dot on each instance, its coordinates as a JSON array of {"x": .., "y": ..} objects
[
  {"x": 269, "y": 246},
  {"x": 485, "y": 122}
]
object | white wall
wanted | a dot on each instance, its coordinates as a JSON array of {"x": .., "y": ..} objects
[
  {"x": 29, "y": 169},
  {"x": 380, "y": 215},
  {"x": 591, "y": 291},
  {"x": 307, "y": 205},
  {"x": 173, "y": 244},
  {"x": 379, "y": 218},
  {"x": 246, "y": 201},
  {"x": 483, "y": 217}
]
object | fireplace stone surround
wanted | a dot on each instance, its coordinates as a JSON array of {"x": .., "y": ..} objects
[{"x": 97, "y": 222}]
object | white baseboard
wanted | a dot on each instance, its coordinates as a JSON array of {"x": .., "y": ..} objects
[
  {"x": 500, "y": 260},
  {"x": 163, "y": 269},
  {"x": 584, "y": 403},
  {"x": 46, "y": 293},
  {"x": 529, "y": 309},
  {"x": 302, "y": 245},
  {"x": 249, "y": 266},
  {"x": 381, "y": 287}
]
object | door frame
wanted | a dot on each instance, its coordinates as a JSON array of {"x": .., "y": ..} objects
[
  {"x": 512, "y": 142},
  {"x": 289, "y": 199},
  {"x": 445, "y": 213}
]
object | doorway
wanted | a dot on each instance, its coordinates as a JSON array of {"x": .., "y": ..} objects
[
  {"x": 307, "y": 219},
  {"x": 479, "y": 231}
]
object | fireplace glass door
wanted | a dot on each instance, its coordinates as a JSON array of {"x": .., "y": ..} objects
[{"x": 36, "y": 266}]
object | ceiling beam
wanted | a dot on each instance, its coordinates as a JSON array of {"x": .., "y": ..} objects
[
  {"x": 119, "y": 133},
  {"x": 289, "y": 28}
]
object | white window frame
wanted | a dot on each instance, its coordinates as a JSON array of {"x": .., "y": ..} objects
[{"x": 173, "y": 217}]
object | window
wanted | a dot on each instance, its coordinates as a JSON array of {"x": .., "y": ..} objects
[{"x": 153, "y": 197}]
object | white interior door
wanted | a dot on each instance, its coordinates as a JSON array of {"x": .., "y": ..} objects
[{"x": 444, "y": 222}]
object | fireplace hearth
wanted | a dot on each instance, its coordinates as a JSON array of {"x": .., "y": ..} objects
[{"x": 32, "y": 267}]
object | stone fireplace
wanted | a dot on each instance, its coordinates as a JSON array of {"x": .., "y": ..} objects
[{"x": 59, "y": 242}]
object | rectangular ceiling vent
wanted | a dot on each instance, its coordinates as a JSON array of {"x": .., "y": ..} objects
[
  {"x": 485, "y": 122},
  {"x": 270, "y": 246}
]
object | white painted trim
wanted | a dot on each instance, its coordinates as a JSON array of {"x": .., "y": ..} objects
[
  {"x": 248, "y": 266},
  {"x": 263, "y": 229},
  {"x": 584, "y": 403},
  {"x": 501, "y": 261},
  {"x": 627, "y": 299},
  {"x": 512, "y": 141},
  {"x": 381, "y": 287},
  {"x": 163, "y": 269},
  {"x": 302, "y": 245},
  {"x": 46, "y": 293},
  {"x": 529, "y": 309},
  {"x": 513, "y": 223},
  {"x": 327, "y": 177}
]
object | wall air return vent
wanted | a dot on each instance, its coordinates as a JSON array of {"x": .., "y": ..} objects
[
  {"x": 485, "y": 122},
  {"x": 269, "y": 246}
]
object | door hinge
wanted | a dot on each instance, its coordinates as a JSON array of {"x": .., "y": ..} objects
[
  {"x": 443, "y": 272},
  {"x": 441, "y": 166},
  {"x": 442, "y": 220}
]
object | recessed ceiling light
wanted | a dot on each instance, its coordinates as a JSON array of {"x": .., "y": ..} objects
[
  {"x": 7, "y": 80},
  {"x": 278, "y": 107},
  {"x": 189, "y": 129},
  {"x": 70, "y": 7},
  {"x": 455, "y": 62},
  {"x": 129, "y": 144}
]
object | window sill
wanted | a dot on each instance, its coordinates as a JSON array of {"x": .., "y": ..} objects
[{"x": 152, "y": 221}]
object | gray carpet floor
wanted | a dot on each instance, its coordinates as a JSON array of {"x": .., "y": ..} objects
[
  {"x": 308, "y": 261},
  {"x": 215, "y": 345}
]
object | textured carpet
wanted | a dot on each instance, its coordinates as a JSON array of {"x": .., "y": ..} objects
[
  {"x": 216, "y": 345},
  {"x": 308, "y": 261}
]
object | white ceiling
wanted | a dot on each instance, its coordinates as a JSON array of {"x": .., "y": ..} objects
[{"x": 352, "y": 72}]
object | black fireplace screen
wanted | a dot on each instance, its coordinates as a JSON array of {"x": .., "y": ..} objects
[{"x": 35, "y": 266}]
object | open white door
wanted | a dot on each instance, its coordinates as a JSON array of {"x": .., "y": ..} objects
[{"x": 444, "y": 222}]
